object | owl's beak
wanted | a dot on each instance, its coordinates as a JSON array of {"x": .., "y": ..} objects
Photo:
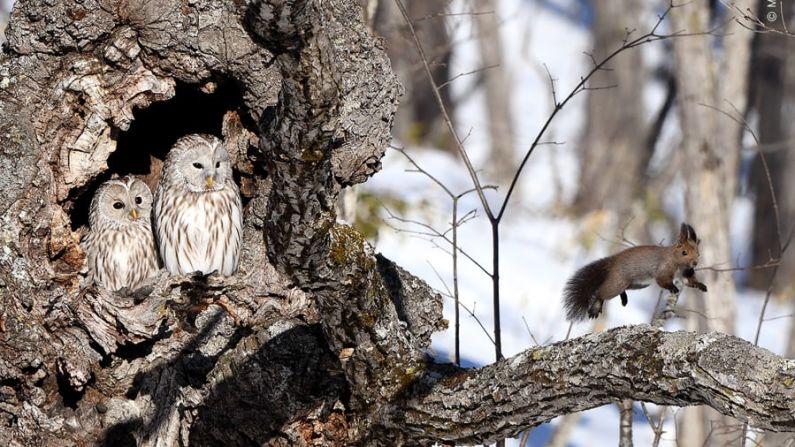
[
  {"x": 210, "y": 181},
  {"x": 134, "y": 213}
]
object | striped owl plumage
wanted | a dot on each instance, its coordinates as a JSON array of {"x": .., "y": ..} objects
[
  {"x": 120, "y": 246},
  {"x": 198, "y": 211}
]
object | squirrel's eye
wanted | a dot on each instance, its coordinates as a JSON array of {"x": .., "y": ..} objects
[
  {"x": 684, "y": 252},
  {"x": 197, "y": 165},
  {"x": 118, "y": 205},
  {"x": 138, "y": 200},
  {"x": 217, "y": 164}
]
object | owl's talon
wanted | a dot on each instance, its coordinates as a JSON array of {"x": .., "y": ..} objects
[{"x": 198, "y": 277}]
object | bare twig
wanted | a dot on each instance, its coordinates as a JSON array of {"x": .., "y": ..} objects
[
  {"x": 532, "y": 337},
  {"x": 452, "y": 14},
  {"x": 459, "y": 146},
  {"x": 471, "y": 312},
  {"x": 758, "y": 25},
  {"x": 455, "y": 198},
  {"x": 433, "y": 233},
  {"x": 769, "y": 264},
  {"x": 657, "y": 428},
  {"x": 468, "y": 73}
]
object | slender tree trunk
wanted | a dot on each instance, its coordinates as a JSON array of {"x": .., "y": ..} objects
[
  {"x": 418, "y": 119},
  {"x": 497, "y": 84},
  {"x": 774, "y": 93},
  {"x": 613, "y": 146},
  {"x": 562, "y": 432},
  {"x": 625, "y": 423},
  {"x": 775, "y": 73},
  {"x": 710, "y": 146}
]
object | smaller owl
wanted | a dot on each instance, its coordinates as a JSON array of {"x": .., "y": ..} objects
[
  {"x": 198, "y": 211},
  {"x": 121, "y": 246}
]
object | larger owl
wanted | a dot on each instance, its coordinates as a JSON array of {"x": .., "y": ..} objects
[
  {"x": 198, "y": 212},
  {"x": 120, "y": 246}
]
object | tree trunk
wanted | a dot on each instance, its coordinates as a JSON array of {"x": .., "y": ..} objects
[
  {"x": 315, "y": 341},
  {"x": 502, "y": 163},
  {"x": 774, "y": 93},
  {"x": 711, "y": 146},
  {"x": 613, "y": 146},
  {"x": 418, "y": 119}
]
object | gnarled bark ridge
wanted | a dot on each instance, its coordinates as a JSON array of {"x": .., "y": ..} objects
[{"x": 315, "y": 340}]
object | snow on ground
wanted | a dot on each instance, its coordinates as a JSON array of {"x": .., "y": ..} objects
[{"x": 539, "y": 248}]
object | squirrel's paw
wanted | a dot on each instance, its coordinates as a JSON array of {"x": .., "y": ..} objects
[
  {"x": 595, "y": 307},
  {"x": 701, "y": 287}
]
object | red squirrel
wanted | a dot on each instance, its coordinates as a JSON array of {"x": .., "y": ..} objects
[{"x": 633, "y": 268}]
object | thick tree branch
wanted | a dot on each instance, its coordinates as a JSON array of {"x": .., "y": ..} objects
[{"x": 635, "y": 362}]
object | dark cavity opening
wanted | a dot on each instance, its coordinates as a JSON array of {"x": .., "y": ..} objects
[
  {"x": 142, "y": 148},
  {"x": 156, "y": 128}
]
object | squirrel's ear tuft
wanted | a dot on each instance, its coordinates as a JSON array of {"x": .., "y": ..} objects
[
  {"x": 687, "y": 233},
  {"x": 692, "y": 234}
]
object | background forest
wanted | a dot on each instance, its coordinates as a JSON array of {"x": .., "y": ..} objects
[{"x": 688, "y": 124}]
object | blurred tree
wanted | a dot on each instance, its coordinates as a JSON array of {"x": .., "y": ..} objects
[
  {"x": 418, "y": 120},
  {"x": 710, "y": 148},
  {"x": 496, "y": 82},
  {"x": 773, "y": 93},
  {"x": 613, "y": 144},
  {"x": 5, "y": 7},
  {"x": 773, "y": 90}
]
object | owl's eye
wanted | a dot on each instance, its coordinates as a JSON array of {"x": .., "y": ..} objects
[
  {"x": 217, "y": 164},
  {"x": 197, "y": 165},
  {"x": 138, "y": 200},
  {"x": 118, "y": 205},
  {"x": 684, "y": 252}
]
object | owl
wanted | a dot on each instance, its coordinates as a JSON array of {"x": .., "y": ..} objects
[
  {"x": 198, "y": 211},
  {"x": 120, "y": 246}
]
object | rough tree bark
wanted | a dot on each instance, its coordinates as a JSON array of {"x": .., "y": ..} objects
[{"x": 315, "y": 341}]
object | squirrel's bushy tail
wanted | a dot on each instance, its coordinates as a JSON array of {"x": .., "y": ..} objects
[{"x": 582, "y": 286}]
